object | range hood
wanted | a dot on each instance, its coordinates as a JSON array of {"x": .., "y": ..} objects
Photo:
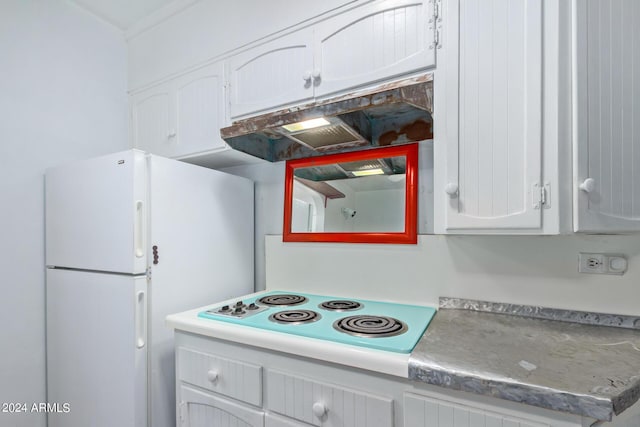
[{"x": 389, "y": 114}]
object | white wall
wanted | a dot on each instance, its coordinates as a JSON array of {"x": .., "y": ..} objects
[
  {"x": 380, "y": 210},
  {"x": 269, "y": 207},
  {"x": 62, "y": 97},
  {"x": 210, "y": 28},
  {"x": 532, "y": 270},
  {"x": 519, "y": 269},
  {"x": 334, "y": 220}
]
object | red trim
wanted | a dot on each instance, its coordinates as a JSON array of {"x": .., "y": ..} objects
[{"x": 410, "y": 234}]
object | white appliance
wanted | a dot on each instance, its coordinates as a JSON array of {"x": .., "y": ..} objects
[{"x": 131, "y": 238}]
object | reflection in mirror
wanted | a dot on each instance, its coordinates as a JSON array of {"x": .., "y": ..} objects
[
  {"x": 365, "y": 196},
  {"x": 359, "y": 196}
]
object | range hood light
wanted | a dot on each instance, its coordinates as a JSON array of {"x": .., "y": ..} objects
[
  {"x": 307, "y": 124},
  {"x": 368, "y": 172}
]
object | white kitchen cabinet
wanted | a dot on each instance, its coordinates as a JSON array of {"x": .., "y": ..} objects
[
  {"x": 606, "y": 116},
  {"x": 488, "y": 119},
  {"x": 272, "y": 420},
  {"x": 232, "y": 378},
  {"x": 182, "y": 116},
  {"x": 274, "y": 74},
  {"x": 346, "y": 396},
  {"x": 199, "y": 409},
  {"x": 434, "y": 411},
  {"x": 322, "y": 404},
  {"x": 374, "y": 42},
  {"x": 152, "y": 119}
]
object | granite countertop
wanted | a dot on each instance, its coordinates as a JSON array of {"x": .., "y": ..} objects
[{"x": 583, "y": 363}]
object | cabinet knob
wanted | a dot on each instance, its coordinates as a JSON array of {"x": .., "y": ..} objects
[
  {"x": 316, "y": 73},
  {"x": 319, "y": 409},
  {"x": 451, "y": 189},
  {"x": 172, "y": 134},
  {"x": 212, "y": 376},
  {"x": 307, "y": 76},
  {"x": 588, "y": 185}
]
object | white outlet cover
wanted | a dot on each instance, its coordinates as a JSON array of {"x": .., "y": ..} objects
[{"x": 594, "y": 263}]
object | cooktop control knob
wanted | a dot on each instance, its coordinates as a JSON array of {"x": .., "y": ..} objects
[
  {"x": 224, "y": 308},
  {"x": 238, "y": 310},
  {"x": 252, "y": 306},
  {"x": 239, "y": 303}
]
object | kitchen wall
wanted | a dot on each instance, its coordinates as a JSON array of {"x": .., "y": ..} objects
[
  {"x": 63, "y": 97},
  {"x": 531, "y": 270},
  {"x": 518, "y": 269}
]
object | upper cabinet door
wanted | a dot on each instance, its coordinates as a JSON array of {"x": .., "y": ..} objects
[
  {"x": 200, "y": 110},
  {"x": 488, "y": 143},
  {"x": 277, "y": 73},
  {"x": 182, "y": 116},
  {"x": 153, "y": 127},
  {"x": 372, "y": 43},
  {"x": 607, "y": 116}
]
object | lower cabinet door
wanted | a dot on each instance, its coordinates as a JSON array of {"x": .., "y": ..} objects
[
  {"x": 271, "y": 420},
  {"x": 199, "y": 409}
]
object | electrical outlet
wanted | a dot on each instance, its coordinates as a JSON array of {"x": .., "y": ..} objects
[
  {"x": 602, "y": 263},
  {"x": 591, "y": 263}
]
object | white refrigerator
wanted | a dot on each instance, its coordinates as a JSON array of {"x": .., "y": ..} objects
[{"x": 131, "y": 238}]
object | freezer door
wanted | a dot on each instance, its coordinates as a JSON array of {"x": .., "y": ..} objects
[
  {"x": 96, "y": 349},
  {"x": 96, "y": 214},
  {"x": 202, "y": 227}
]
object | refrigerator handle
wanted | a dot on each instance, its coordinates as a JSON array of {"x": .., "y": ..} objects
[
  {"x": 141, "y": 319},
  {"x": 139, "y": 229}
]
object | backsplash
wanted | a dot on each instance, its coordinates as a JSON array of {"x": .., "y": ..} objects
[
  {"x": 531, "y": 270},
  {"x": 528, "y": 270}
]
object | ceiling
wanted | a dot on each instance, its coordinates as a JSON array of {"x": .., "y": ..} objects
[{"x": 122, "y": 13}]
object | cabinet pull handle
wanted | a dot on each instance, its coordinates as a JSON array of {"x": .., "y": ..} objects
[
  {"x": 319, "y": 410},
  {"x": 588, "y": 185},
  {"x": 212, "y": 376},
  {"x": 451, "y": 189}
]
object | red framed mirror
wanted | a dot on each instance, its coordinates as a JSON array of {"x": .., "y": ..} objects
[{"x": 365, "y": 196}]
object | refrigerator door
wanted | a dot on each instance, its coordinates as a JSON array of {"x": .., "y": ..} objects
[
  {"x": 202, "y": 228},
  {"x": 97, "y": 348},
  {"x": 96, "y": 213}
]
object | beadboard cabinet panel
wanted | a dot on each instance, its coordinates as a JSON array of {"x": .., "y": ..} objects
[
  {"x": 272, "y": 420},
  {"x": 426, "y": 411},
  {"x": 231, "y": 378},
  {"x": 200, "y": 409},
  {"x": 606, "y": 116},
  {"x": 277, "y": 73},
  {"x": 300, "y": 398},
  {"x": 492, "y": 124},
  {"x": 372, "y": 43},
  {"x": 150, "y": 115},
  {"x": 182, "y": 116},
  {"x": 200, "y": 110}
]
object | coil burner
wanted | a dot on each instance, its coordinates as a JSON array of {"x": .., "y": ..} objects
[
  {"x": 370, "y": 326},
  {"x": 282, "y": 300},
  {"x": 340, "y": 305},
  {"x": 295, "y": 317}
]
